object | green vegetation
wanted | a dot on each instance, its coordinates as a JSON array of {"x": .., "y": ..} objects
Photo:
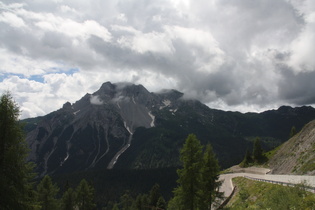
[
  {"x": 47, "y": 192},
  {"x": 308, "y": 166},
  {"x": 17, "y": 177},
  {"x": 85, "y": 196},
  {"x": 257, "y": 158},
  {"x": 260, "y": 195},
  {"x": 292, "y": 132},
  {"x": 151, "y": 200},
  {"x": 15, "y": 173},
  {"x": 68, "y": 200},
  {"x": 271, "y": 153},
  {"x": 198, "y": 179},
  {"x": 82, "y": 198}
]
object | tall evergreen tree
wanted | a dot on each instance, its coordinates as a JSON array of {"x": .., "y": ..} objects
[
  {"x": 209, "y": 190},
  {"x": 47, "y": 192},
  {"x": 126, "y": 201},
  {"x": 85, "y": 196},
  {"x": 139, "y": 205},
  {"x": 186, "y": 194},
  {"x": 247, "y": 159},
  {"x": 292, "y": 131},
  {"x": 115, "y": 207},
  {"x": 16, "y": 190},
  {"x": 257, "y": 151},
  {"x": 161, "y": 203},
  {"x": 68, "y": 200},
  {"x": 155, "y": 194}
]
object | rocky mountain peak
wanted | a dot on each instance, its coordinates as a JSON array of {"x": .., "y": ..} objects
[
  {"x": 120, "y": 91},
  {"x": 97, "y": 130},
  {"x": 171, "y": 94}
]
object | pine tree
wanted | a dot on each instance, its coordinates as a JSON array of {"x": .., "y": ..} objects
[
  {"x": 293, "y": 131},
  {"x": 47, "y": 192},
  {"x": 161, "y": 203},
  {"x": 16, "y": 190},
  {"x": 247, "y": 159},
  {"x": 115, "y": 207},
  {"x": 257, "y": 151},
  {"x": 210, "y": 183},
  {"x": 126, "y": 201},
  {"x": 139, "y": 204},
  {"x": 155, "y": 194},
  {"x": 85, "y": 196},
  {"x": 68, "y": 200},
  {"x": 186, "y": 194}
]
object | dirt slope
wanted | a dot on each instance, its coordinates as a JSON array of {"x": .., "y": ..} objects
[{"x": 297, "y": 155}]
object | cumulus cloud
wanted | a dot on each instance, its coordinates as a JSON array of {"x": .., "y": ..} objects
[
  {"x": 95, "y": 100},
  {"x": 232, "y": 55}
]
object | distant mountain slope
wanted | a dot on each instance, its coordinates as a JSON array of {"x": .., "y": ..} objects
[
  {"x": 126, "y": 126},
  {"x": 297, "y": 155}
]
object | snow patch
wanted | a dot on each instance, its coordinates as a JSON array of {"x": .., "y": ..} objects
[
  {"x": 118, "y": 105},
  {"x": 128, "y": 129},
  {"x": 166, "y": 104},
  {"x": 153, "y": 118},
  {"x": 66, "y": 158},
  {"x": 76, "y": 112},
  {"x": 173, "y": 111}
]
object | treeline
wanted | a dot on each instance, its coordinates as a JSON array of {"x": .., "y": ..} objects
[
  {"x": 80, "y": 198},
  {"x": 151, "y": 200},
  {"x": 197, "y": 184}
]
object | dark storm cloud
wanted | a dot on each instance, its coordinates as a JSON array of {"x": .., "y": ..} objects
[
  {"x": 297, "y": 88},
  {"x": 233, "y": 53}
]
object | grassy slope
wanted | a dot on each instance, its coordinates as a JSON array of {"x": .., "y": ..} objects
[{"x": 260, "y": 195}]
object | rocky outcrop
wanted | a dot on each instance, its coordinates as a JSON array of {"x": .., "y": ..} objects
[
  {"x": 94, "y": 131},
  {"x": 297, "y": 155}
]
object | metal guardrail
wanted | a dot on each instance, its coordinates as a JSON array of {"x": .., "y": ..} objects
[{"x": 309, "y": 188}]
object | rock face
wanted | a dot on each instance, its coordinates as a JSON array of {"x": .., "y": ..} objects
[
  {"x": 125, "y": 126},
  {"x": 95, "y": 130},
  {"x": 297, "y": 155}
]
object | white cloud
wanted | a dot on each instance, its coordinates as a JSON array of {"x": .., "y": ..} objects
[
  {"x": 303, "y": 47},
  {"x": 154, "y": 42},
  {"x": 95, "y": 100},
  {"x": 72, "y": 28},
  {"x": 67, "y": 9},
  {"x": 229, "y": 54},
  {"x": 12, "y": 19}
]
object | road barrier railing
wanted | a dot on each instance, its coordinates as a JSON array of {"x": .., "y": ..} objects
[{"x": 308, "y": 188}]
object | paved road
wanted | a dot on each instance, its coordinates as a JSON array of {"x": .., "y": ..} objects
[{"x": 227, "y": 185}]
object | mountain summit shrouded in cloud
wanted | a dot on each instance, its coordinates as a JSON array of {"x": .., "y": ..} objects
[{"x": 232, "y": 55}]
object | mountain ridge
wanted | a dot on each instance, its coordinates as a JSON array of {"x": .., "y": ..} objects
[{"x": 124, "y": 125}]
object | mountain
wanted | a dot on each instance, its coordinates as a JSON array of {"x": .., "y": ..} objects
[
  {"x": 297, "y": 155},
  {"x": 125, "y": 126}
]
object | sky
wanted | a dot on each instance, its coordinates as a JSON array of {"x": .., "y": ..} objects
[{"x": 239, "y": 55}]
